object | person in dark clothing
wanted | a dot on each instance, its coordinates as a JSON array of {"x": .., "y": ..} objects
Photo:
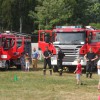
[
  {"x": 90, "y": 57},
  {"x": 22, "y": 61},
  {"x": 59, "y": 61},
  {"x": 47, "y": 60}
]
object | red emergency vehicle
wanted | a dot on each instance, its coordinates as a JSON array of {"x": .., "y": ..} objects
[
  {"x": 12, "y": 45},
  {"x": 74, "y": 41}
]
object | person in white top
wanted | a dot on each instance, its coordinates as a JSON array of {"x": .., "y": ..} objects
[{"x": 98, "y": 69}]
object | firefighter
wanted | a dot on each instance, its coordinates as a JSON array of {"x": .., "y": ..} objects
[
  {"x": 90, "y": 57},
  {"x": 59, "y": 61},
  {"x": 47, "y": 60}
]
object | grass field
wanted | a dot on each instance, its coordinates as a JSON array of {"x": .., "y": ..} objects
[{"x": 34, "y": 86}]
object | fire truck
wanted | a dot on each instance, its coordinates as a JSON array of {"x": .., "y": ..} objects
[
  {"x": 74, "y": 41},
  {"x": 12, "y": 45}
]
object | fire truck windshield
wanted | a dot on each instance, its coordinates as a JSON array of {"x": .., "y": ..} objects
[
  {"x": 7, "y": 43},
  {"x": 70, "y": 38}
]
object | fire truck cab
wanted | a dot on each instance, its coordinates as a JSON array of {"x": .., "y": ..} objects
[
  {"x": 12, "y": 45},
  {"x": 74, "y": 41}
]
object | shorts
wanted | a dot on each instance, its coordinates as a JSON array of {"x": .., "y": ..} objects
[{"x": 78, "y": 76}]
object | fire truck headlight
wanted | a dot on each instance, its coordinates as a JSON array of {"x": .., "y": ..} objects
[{"x": 82, "y": 42}]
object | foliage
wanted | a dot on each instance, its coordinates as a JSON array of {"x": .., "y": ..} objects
[
  {"x": 12, "y": 10},
  {"x": 95, "y": 25},
  {"x": 50, "y": 13},
  {"x": 46, "y": 14},
  {"x": 93, "y": 12}
]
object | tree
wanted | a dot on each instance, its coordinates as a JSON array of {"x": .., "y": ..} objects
[
  {"x": 14, "y": 11},
  {"x": 6, "y": 17},
  {"x": 50, "y": 13},
  {"x": 93, "y": 13}
]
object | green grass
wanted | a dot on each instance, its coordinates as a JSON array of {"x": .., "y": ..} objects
[{"x": 34, "y": 86}]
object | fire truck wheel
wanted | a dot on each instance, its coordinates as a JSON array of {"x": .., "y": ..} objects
[{"x": 55, "y": 69}]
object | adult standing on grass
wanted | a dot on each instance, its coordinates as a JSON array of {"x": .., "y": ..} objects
[
  {"x": 47, "y": 60},
  {"x": 22, "y": 62},
  {"x": 59, "y": 61},
  {"x": 35, "y": 56},
  {"x": 90, "y": 57}
]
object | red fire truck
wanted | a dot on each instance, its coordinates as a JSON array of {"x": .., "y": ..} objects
[
  {"x": 74, "y": 41},
  {"x": 12, "y": 45}
]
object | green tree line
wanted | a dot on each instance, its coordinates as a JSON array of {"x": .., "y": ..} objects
[{"x": 31, "y": 15}]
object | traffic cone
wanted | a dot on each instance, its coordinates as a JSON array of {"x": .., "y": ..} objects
[{"x": 15, "y": 78}]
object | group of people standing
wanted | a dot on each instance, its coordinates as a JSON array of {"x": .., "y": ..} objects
[
  {"x": 90, "y": 57},
  {"x": 25, "y": 60},
  {"x": 47, "y": 60}
]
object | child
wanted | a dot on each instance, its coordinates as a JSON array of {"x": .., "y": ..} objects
[
  {"x": 78, "y": 72},
  {"x": 27, "y": 62}
]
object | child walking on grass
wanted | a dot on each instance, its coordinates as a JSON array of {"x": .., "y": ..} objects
[{"x": 78, "y": 72}]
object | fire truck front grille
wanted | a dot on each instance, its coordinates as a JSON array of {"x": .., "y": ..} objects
[
  {"x": 69, "y": 58},
  {"x": 70, "y": 51}
]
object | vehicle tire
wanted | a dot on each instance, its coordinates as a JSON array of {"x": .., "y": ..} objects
[{"x": 55, "y": 69}]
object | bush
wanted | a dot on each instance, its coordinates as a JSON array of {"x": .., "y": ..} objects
[{"x": 95, "y": 25}]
